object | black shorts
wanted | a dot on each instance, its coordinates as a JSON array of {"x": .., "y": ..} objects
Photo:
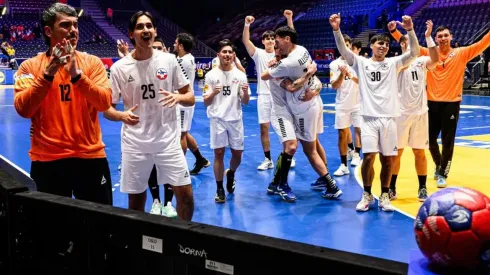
[{"x": 85, "y": 179}]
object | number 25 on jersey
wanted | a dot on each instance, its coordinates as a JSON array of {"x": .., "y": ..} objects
[{"x": 148, "y": 91}]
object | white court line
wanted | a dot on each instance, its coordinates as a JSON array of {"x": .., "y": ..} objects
[
  {"x": 14, "y": 165},
  {"x": 359, "y": 181},
  {"x": 481, "y": 127},
  {"x": 7, "y": 105}
]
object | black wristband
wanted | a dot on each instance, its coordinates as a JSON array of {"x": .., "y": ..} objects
[
  {"x": 76, "y": 78},
  {"x": 49, "y": 78}
]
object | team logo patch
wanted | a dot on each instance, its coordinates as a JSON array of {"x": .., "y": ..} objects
[{"x": 162, "y": 74}]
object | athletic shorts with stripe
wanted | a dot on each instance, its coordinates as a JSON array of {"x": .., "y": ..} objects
[{"x": 283, "y": 124}]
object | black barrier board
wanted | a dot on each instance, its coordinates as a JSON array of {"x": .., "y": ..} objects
[{"x": 108, "y": 240}]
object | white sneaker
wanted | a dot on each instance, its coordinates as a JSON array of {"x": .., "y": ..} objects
[
  {"x": 385, "y": 204},
  {"x": 343, "y": 170},
  {"x": 350, "y": 154},
  {"x": 356, "y": 159},
  {"x": 366, "y": 201},
  {"x": 156, "y": 208},
  {"x": 169, "y": 211},
  {"x": 293, "y": 163},
  {"x": 266, "y": 164}
]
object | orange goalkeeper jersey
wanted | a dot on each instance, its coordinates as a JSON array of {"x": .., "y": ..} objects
[
  {"x": 64, "y": 116},
  {"x": 445, "y": 83}
]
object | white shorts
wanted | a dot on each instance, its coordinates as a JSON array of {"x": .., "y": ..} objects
[
  {"x": 283, "y": 123},
  {"x": 413, "y": 130},
  {"x": 307, "y": 123},
  {"x": 136, "y": 168},
  {"x": 185, "y": 118},
  {"x": 226, "y": 134},
  {"x": 264, "y": 108},
  {"x": 319, "y": 127},
  {"x": 344, "y": 119},
  {"x": 378, "y": 134}
]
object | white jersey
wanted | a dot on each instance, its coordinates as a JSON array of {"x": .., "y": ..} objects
[
  {"x": 295, "y": 100},
  {"x": 347, "y": 98},
  {"x": 261, "y": 59},
  {"x": 138, "y": 82},
  {"x": 278, "y": 94},
  {"x": 226, "y": 105},
  {"x": 293, "y": 66},
  {"x": 378, "y": 86},
  {"x": 189, "y": 66},
  {"x": 411, "y": 87},
  {"x": 215, "y": 62}
]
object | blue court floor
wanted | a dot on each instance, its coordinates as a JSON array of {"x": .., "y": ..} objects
[{"x": 311, "y": 219}]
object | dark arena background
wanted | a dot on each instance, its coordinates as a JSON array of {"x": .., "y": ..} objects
[{"x": 251, "y": 233}]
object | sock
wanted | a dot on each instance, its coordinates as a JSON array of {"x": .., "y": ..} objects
[
  {"x": 422, "y": 181},
  {"x": 285, "y": 166},
  {"x": 153, "y": 184},
  {"x": 268, "y": 155},
  {"x": 197, "y": 154},
  {"x": 358, "y": 150},
  {"x": 277, "y": 175},
  {"x": 219, "y": 184},
  {"x": 230, "y": 175},
  {"x": 329, "y": 180},
  {"x": 393, "y": 182},
  {"x": 367, "y": 189},
  {"x": 351, "y": 146},
  {"x": 168, "y": 193},
  {"x": 343, "y": 160},
  {"x": 384, "y": 190}
]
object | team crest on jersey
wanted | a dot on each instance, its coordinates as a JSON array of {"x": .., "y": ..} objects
[{"x": 162, "y": 74}]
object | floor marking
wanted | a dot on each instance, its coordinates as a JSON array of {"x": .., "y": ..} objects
[
  {"x": 14, "y": 165},
  {"x": 481, "y": 127},
  {"x": 359, "y": 181}
]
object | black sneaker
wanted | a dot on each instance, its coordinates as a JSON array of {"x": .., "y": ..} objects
[
  {"x": 202, "y": 163},
  {"x": 220, "y": 196}
]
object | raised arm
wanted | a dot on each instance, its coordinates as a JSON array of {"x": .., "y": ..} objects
[
  {"x": 475, "y": 49},
  {"x": 348, "y": 55},
  {"x": 246, "y": 35},
  {"x": 289, "y": 18},
  {"x": 433, "y": 52},
  {"x": 397, "y": 35},
  {"x": 414, "y": 49}
]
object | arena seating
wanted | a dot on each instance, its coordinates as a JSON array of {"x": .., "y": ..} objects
[
  {"x": 267, "y": 17},
  {"x": 464, "y": 17}
]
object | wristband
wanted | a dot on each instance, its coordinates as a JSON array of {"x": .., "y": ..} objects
[
  {"x": 430, "y": 41},
  {"x": 76, "y": 78},
  {"x": 247, "y": 24},
  {"x": 49, "y": 78}
]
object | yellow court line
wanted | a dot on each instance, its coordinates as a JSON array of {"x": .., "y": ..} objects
[
  {"x": 468, "y": 169},
  {"x": 485, "y": 137}
]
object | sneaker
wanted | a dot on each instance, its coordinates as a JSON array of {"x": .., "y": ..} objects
[
  {"x": 293, "y": 163},
  {"x": 169, "y": 211},
  {"x": 422, "y": 194},
  {"x": 392, "y": 194},
  {"x": 356, "y": 159},
  {"x": 198, "y": 165},
  {"x": 343, "y": 170},
  {"x": 272, "y": 189},
  {"x": 332, "y": 191},
  {"x": 436, "y": 172},
  {"x": 441, "y": 182},
  {"x": 119, "y": 167},
  {"x": 385, "y": 204},
  {"x": 286, "y": 192},
  {"x": 230, "y": 183},
  {"x": 266, "y": 164},
  {"x": 350, "y": 154},
  {"x": 220, "y": 196},
  {"x": 366, "y": 201},
  {"x": 319, "y": 184},
  {"x": 156, "y": 208}
]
